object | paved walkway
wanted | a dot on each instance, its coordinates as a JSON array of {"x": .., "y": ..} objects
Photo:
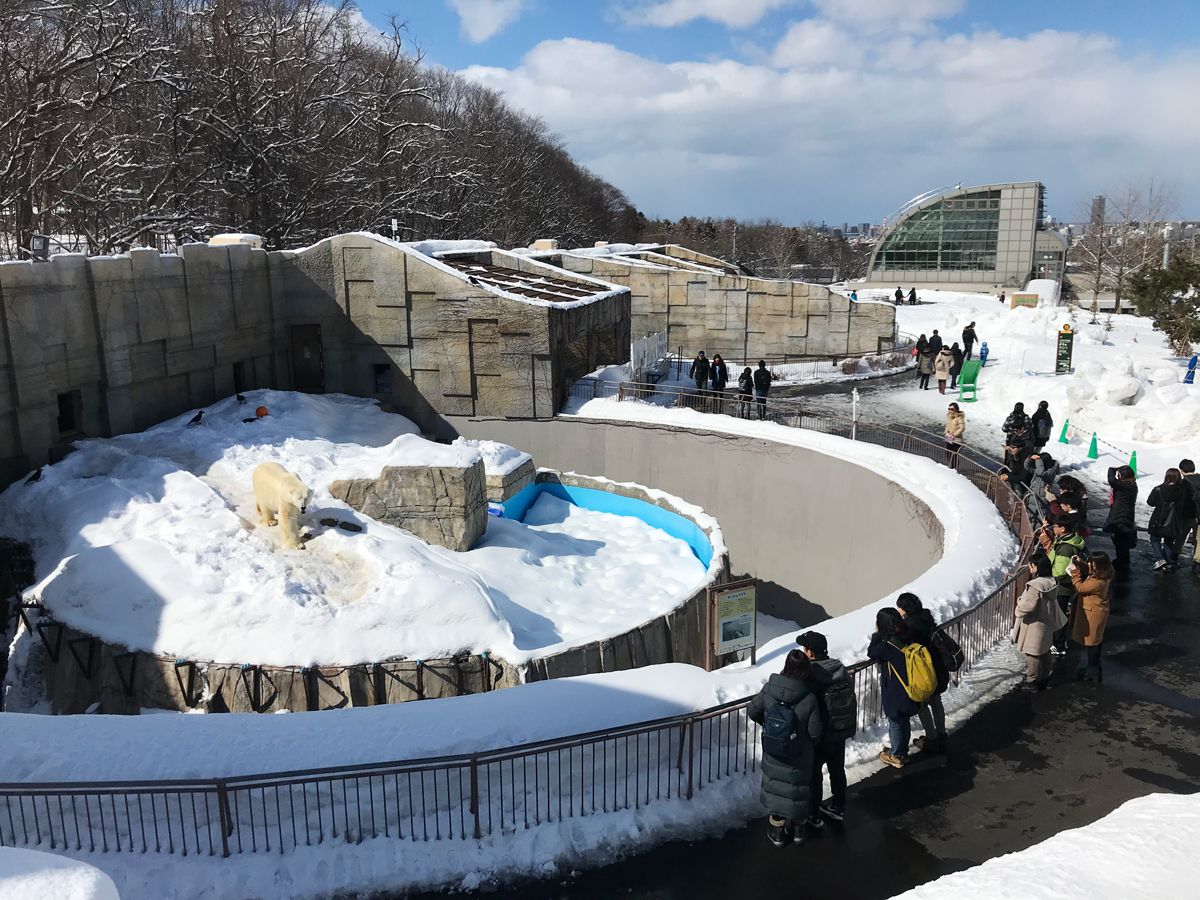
[{"x": 1020, "y": 770}]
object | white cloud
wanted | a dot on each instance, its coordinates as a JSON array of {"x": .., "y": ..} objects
[
  {"x": 484, "y": 19},
  {"x": 670, "y": 13},
  {"x": 833, "y": 122},
  {"x": 868, "y": 15}
]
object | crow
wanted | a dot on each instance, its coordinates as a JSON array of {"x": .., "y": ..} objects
[
  {"x": 251, "y": 419},
  {"x": 195, "y": 420},
  {"x": 35, "y": 476},
  {"x": 240, "y": 399}
]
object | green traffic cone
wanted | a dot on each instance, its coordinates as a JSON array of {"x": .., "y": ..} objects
[
  {"x": 1062, "y": 438},
  {"x": 1133, "y": 462},
  {"x": 1093, "y": 450}
]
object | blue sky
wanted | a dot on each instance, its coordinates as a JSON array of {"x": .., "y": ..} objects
[{"x": 840, "y": 110}]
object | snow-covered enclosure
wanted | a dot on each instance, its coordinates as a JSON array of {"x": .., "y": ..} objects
[
  {"x": 1144, "y": 848},
  {"x": 31, "y": 875},
  {"x": 151, "y": 541}
]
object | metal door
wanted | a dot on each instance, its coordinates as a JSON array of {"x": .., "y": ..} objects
[{"x": 308, "y": 367}]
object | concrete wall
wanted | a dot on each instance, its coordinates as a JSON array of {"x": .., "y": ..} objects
[
  {"x": 140, "y": 337},
  {"x": 824, "y": 535},
  {"x": 144, "y": 337},
  {"x": 737, "y": 316}
]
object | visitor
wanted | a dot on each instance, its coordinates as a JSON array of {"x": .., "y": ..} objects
[
  {"x": 1121, "y": 523},
  {"x": 919, "y": 622},
  {"x": 924, "y": 367},
  {"x": 969, "y": 337},
  {"x": 699, "y": 371},
  {"x": 1192, "y": 482},
  {"x": 1043, "y": 425},
  {"x": 834, "y": 687},
  {"x": 1068, "y": 496},
  {"x": 942, "y": 364},
  {"x": 762, "y": 387},
  {"x": 787, "y": 709},
  {"x": 886, "y": 648},
  {"x": 983, "y": 354},
  {"x": 1060, "y": 539},
  {"x": 1002, "y": 296},
  {"x": 745, "y": 392},
  {"x": 935, "y": 342},
  {"x": 1092, "y": 577},
  {"x": 922, "y": 345},
  {"x": 1038, "y": 616},
  {"x": 956, "y": 426},
  {"x": 1017, "y": 450},
  {"x": 1016, "y": 418},
  {"x": 956, "y": 369},
  {"x": 1040, "y": 471},
  {"x": 718, "y": 375},
  {"x": 854, "y": 296},
  {"x": 899, "y": 295},
  {"x": 1166, "y": 522},
  {"x": 912, "y": 296}
]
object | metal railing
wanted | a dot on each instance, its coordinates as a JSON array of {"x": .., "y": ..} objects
[{"x": 475, "y": 795}]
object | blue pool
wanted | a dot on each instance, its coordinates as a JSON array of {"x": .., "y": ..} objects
[{"x": 602, "y": 501}]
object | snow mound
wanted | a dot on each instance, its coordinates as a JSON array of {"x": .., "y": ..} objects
[
  {"x": 498, "y": 459},
  {"x": 152, "y": 541},
  {"x": 1144, "y": 848},
  {"x": 30, "y": 875}
]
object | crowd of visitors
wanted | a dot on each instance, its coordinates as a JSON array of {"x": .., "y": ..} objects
[
  {"x": 935, "y": 358},
  {"x": 711, "y": 377}
]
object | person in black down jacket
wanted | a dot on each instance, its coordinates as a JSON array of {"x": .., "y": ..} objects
[
  {"x": 719, "y": 374},
  {"x": 762, "y": 387},
  {"x": 785, "y": 782},
  {"x": 1121, "y": 523},
  {"x": 699, "y": 371},
  {"x": 830, "y": 681},
  {"x": 1170, "y": 501},
  {"x": 885, "y": 648},
  {"x": 919, "y": 622},
  {"x": 1043, "y": 425}
]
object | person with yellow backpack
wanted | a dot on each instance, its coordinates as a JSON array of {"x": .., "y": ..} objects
[{"x": 906, "y": 679}]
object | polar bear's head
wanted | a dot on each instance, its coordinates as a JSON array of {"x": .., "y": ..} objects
[{"x": 299, "y": 494}]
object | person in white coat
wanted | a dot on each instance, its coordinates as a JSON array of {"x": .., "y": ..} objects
[{"x": 1038, "y": 617}]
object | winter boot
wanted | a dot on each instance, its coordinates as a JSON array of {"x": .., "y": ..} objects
[
  {"x": 832, "y": 812},
  {"x": 777, "y": 831}
]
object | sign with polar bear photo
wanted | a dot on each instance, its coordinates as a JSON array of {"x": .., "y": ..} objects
[{"x": 735, "y": 608}]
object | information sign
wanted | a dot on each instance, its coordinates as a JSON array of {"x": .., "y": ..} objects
[
  {"x": 1062, "y": 357},
  {"x": 735, "y": 618}
]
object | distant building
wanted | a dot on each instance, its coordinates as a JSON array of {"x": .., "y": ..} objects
[
  {"x": 1097, "y": 218},
  {"x": 991, "y": 234}
]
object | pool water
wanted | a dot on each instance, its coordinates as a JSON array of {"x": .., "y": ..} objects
[{"x": 672, "y": 523}]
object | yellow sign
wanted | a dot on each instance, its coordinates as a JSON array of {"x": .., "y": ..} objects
[
  {"x": 1066, "y": 329},
  {"x": 735, "y": 620}
]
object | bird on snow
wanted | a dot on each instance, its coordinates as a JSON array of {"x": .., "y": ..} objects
[
  {"x": 240, "y": 398},
  {"x": 195, "y": 420},
  {"x": 35, "y": 476}
]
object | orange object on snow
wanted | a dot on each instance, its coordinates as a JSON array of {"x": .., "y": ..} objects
[{"x": 262, "y": 411}]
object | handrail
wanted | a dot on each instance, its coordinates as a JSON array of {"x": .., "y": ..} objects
[{"x": 485, "y": 791}]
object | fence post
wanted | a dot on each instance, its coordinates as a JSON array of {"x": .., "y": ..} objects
[
  {"x": 475, "y": 795},
  {"x": 854, "y": 415},
  {"x": 225, "y": 816},
  {"x": 691, "y": 728}
]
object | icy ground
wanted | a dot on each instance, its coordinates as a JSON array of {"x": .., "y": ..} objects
[
  {"x": 151, "y": 540},
  {"x": 1127, "y": 386},
  {"x": 30, "y": 875},
  {"x": 1144, "y": 848}
]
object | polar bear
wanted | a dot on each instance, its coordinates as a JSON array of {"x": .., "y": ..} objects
[{"x": 279, "y": 494}]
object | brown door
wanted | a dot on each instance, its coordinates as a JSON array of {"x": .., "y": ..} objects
[{"x": 308, "y": 368}]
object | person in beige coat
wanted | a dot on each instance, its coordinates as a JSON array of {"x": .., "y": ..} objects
[
  {"x": 942, "y": 364},
  {"x": 956, "y": 426},
  {"x": 1091, "y": 577},
  {"x": 1037, "y": 618}
]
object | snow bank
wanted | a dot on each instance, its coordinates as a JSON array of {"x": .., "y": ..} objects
[
  {"x": 151, "y": 541},
  {"x": 30, "y": 875},
  {"x": 498, "y": 459},
  {"x": 1144, "y": 848}
]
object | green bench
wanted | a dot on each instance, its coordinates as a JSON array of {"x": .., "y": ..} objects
[{"x": 967, "y": 380}]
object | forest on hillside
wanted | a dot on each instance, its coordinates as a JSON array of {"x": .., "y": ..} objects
[{"x": 154, "y": 122}]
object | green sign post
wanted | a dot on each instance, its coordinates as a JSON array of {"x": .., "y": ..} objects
[{"x": 1062, "y": 359}]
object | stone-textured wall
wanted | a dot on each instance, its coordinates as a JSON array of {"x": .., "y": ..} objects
[
  {"x": 508, "y": 485},
  {"x": 443, "y": 505},
  {"x": 143, "y": 337},
  {"x": 737, "y": 316}
]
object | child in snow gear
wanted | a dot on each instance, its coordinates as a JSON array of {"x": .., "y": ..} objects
[
  {"x": 788, "y": 759},
  {"x": 834, "y": 688}
]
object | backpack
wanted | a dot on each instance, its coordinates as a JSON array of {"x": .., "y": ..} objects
[
  {"x": 779, "y": 733},
  {"x": 840, "y": 705},
  {"x": 1162, "y": 520},
  {"x": 920, "y": 680},
  {"x": 951, "y": 653}
]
